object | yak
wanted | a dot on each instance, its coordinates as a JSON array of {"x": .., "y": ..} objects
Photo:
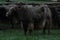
[{"x": 31, "y": 16}]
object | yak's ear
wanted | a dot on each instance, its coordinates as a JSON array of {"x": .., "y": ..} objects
[{"x": 42, "y": 9}]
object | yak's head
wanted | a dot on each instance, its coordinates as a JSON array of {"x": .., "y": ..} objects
[{"x": 11, "y": 11}]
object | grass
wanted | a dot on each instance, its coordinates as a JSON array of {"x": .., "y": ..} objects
[{"x": 18, "y": 35}]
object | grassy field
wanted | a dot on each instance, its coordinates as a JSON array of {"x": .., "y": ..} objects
[{"x": 18, "y": 35}]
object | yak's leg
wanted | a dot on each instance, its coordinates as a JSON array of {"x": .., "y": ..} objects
[
  {"x": 12, "y": 25},
  {"x": 35, "y": 26},
  {"x": 31, "y": 27},
  {"x": 11, "y": 21},
  {"x": 49, "y": 26},
  {"x": 25, "y": 27},
  {"x": 44, "y": 26},
  {"x": 44, "y": 29},
  {"x": 15, "y": 23},
  {"x": 19, "y": 23}
]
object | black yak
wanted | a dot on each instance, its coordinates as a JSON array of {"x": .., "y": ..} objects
[{"x": 30, "y": 15}]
